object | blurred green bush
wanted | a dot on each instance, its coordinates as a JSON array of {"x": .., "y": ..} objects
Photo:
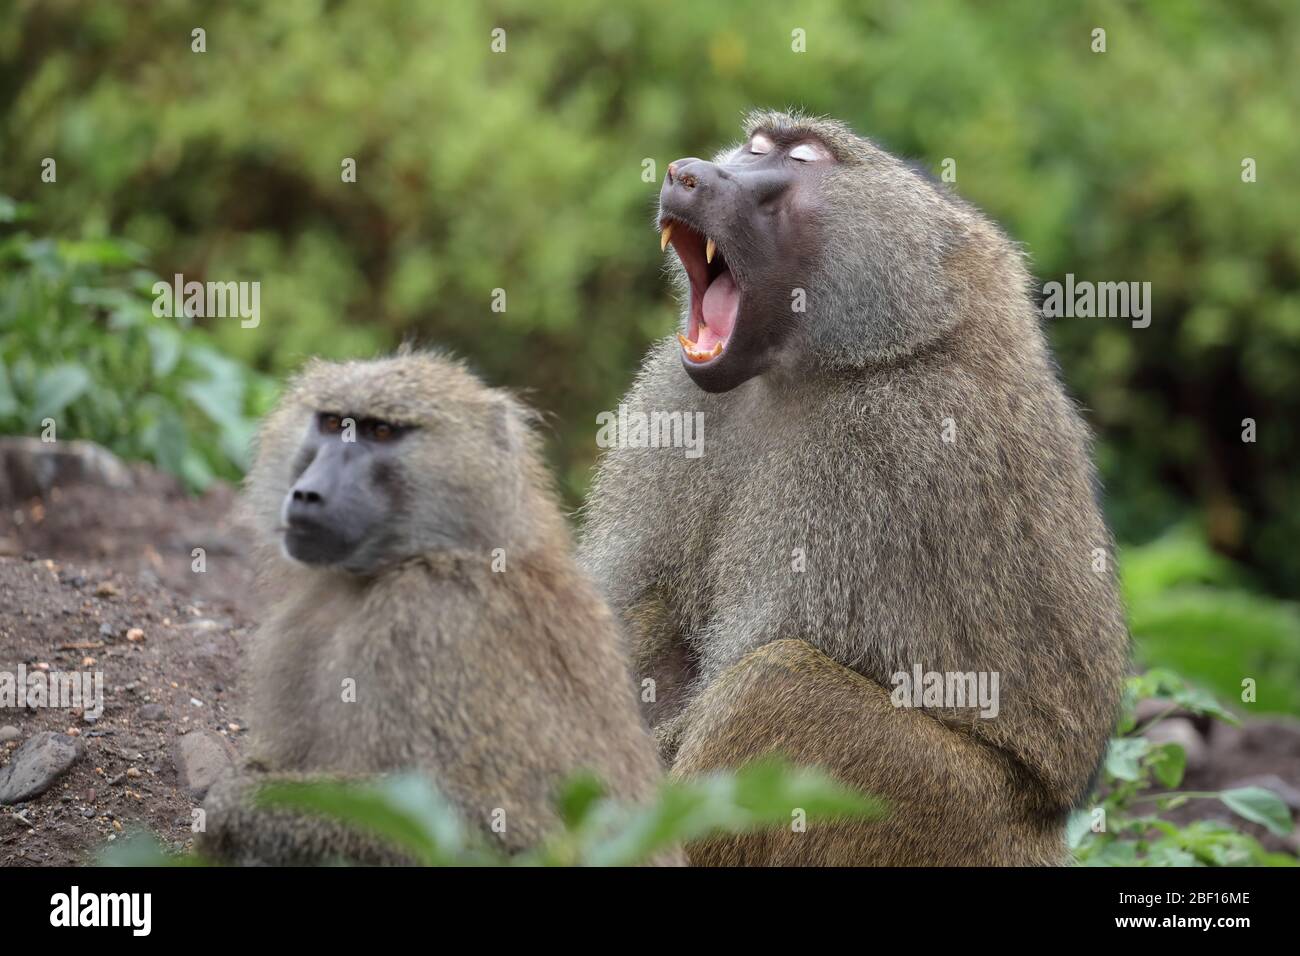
[
  {"x": 1191, "y": 610},
  {"x": 80, "y": 348},
  {"x": 523, "y": 171}
]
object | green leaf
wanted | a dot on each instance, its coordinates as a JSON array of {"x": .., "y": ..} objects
[
  {"x": 765, "y": 793},
  {"x": 1261, "y": 806},
  {"x": 1169, "y": 854},
  {"x": 1124, "y": 756},
  {"x": 577, "y": 798},
  {"x": 403, "y": 810},
  {"x": 1168, "y": 762},
  {"x": 141, "y": 848},
  {"x": 58, "y": 387},
  {"x": 164, "y": 349},
  {"x": 1078, "y": 826}
]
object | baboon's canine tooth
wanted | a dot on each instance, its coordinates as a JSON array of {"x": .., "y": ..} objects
[
  {"x": 709, "y": 249},
  {"x": 663, "y": 236}
]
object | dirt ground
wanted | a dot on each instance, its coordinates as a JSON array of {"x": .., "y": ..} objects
[{"x": 96, "y": 578}]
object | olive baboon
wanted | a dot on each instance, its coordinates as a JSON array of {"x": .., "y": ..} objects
[
  {"x": 892, "y": 481},
  {"x": 425, "y": 612}
]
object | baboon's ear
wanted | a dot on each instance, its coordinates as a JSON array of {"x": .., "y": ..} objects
[{"x": 506, "y": 424}]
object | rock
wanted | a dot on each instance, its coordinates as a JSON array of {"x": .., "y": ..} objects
[
  {"x": 1179, "y": 730},
  {"x": 9, "y": 732},
  {"x": 152, "y": 712},
  {"x": 201, "y": 757},
  {"x": 37, "y": 764},
  {"x": 29, "y": 467},
  {"x": 1276, "y": 737}
]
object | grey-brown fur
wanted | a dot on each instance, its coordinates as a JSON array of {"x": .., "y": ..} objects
[
  {"x": 975, "y": 555},
  {"x": 498, "y": 684}
]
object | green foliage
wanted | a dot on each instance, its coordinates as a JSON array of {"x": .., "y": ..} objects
[
  {"x": 79, "y": 344},
  {"x": 596, "y": 830},
  {"x": 1122, "y": 825},
  {"x": 522, "y": 170},
  {"x": 1189, "y": 610}
]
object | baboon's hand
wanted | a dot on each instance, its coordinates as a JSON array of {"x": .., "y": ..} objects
[{"x": 238, "y": 833}]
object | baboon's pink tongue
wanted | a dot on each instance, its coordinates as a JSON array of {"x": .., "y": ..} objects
[{"x": 721, "y": 302}]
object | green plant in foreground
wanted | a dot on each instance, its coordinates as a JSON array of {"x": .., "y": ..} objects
[
  {"x": 595, "y": 830},
  {"x": 1122, "y": 825}
]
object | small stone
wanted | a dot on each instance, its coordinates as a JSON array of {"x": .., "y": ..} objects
[
  {"x": 200, "y": 758},
  {"x": 1181, "y": 731},
  {"x": 9, "y": 732},
  {"x": 37, "y": 764},
  {"x": 107, "y": 630},
  {"x": 152, "y": 712},
  {"x": 107, "y": 589},
  {"x": 88, "y": 813},
  {"x": 135, "y": 635}
]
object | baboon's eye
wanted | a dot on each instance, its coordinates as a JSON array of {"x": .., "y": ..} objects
[
  {"x": 382, "y": 431},
  {"x": 760, "y": 144},
  {"x": 331, "y": 423},
  {"x": 809, "y": 153}
]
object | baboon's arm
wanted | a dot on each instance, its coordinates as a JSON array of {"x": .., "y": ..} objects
[
  {"x": 953, "y": 799},
  {"x": 659, "y": 654},
  {"x": 237, "y": 833}
]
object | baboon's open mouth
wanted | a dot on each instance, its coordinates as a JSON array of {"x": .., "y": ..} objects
[{"x": 715, "y": 293}]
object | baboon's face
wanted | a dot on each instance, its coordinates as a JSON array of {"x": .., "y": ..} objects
[
  {"x": 346, "y": 493},
  {"x": 745, "y": 230}
]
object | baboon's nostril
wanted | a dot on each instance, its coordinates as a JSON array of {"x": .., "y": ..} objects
[{"x": 306, "y": 497}]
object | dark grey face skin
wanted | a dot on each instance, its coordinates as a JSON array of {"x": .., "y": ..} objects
[
  {"x": 759, "y": 206},
  {"x": 346, "y": 495}
]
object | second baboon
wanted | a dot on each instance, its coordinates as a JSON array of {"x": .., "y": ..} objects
[
  {"x": 893, "y": 490},
  {"x": 425, "y": 613}
]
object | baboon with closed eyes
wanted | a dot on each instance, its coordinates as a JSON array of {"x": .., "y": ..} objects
[
  {"x": 892, "y": 480},
  {"x": 425, "y": 613}
]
